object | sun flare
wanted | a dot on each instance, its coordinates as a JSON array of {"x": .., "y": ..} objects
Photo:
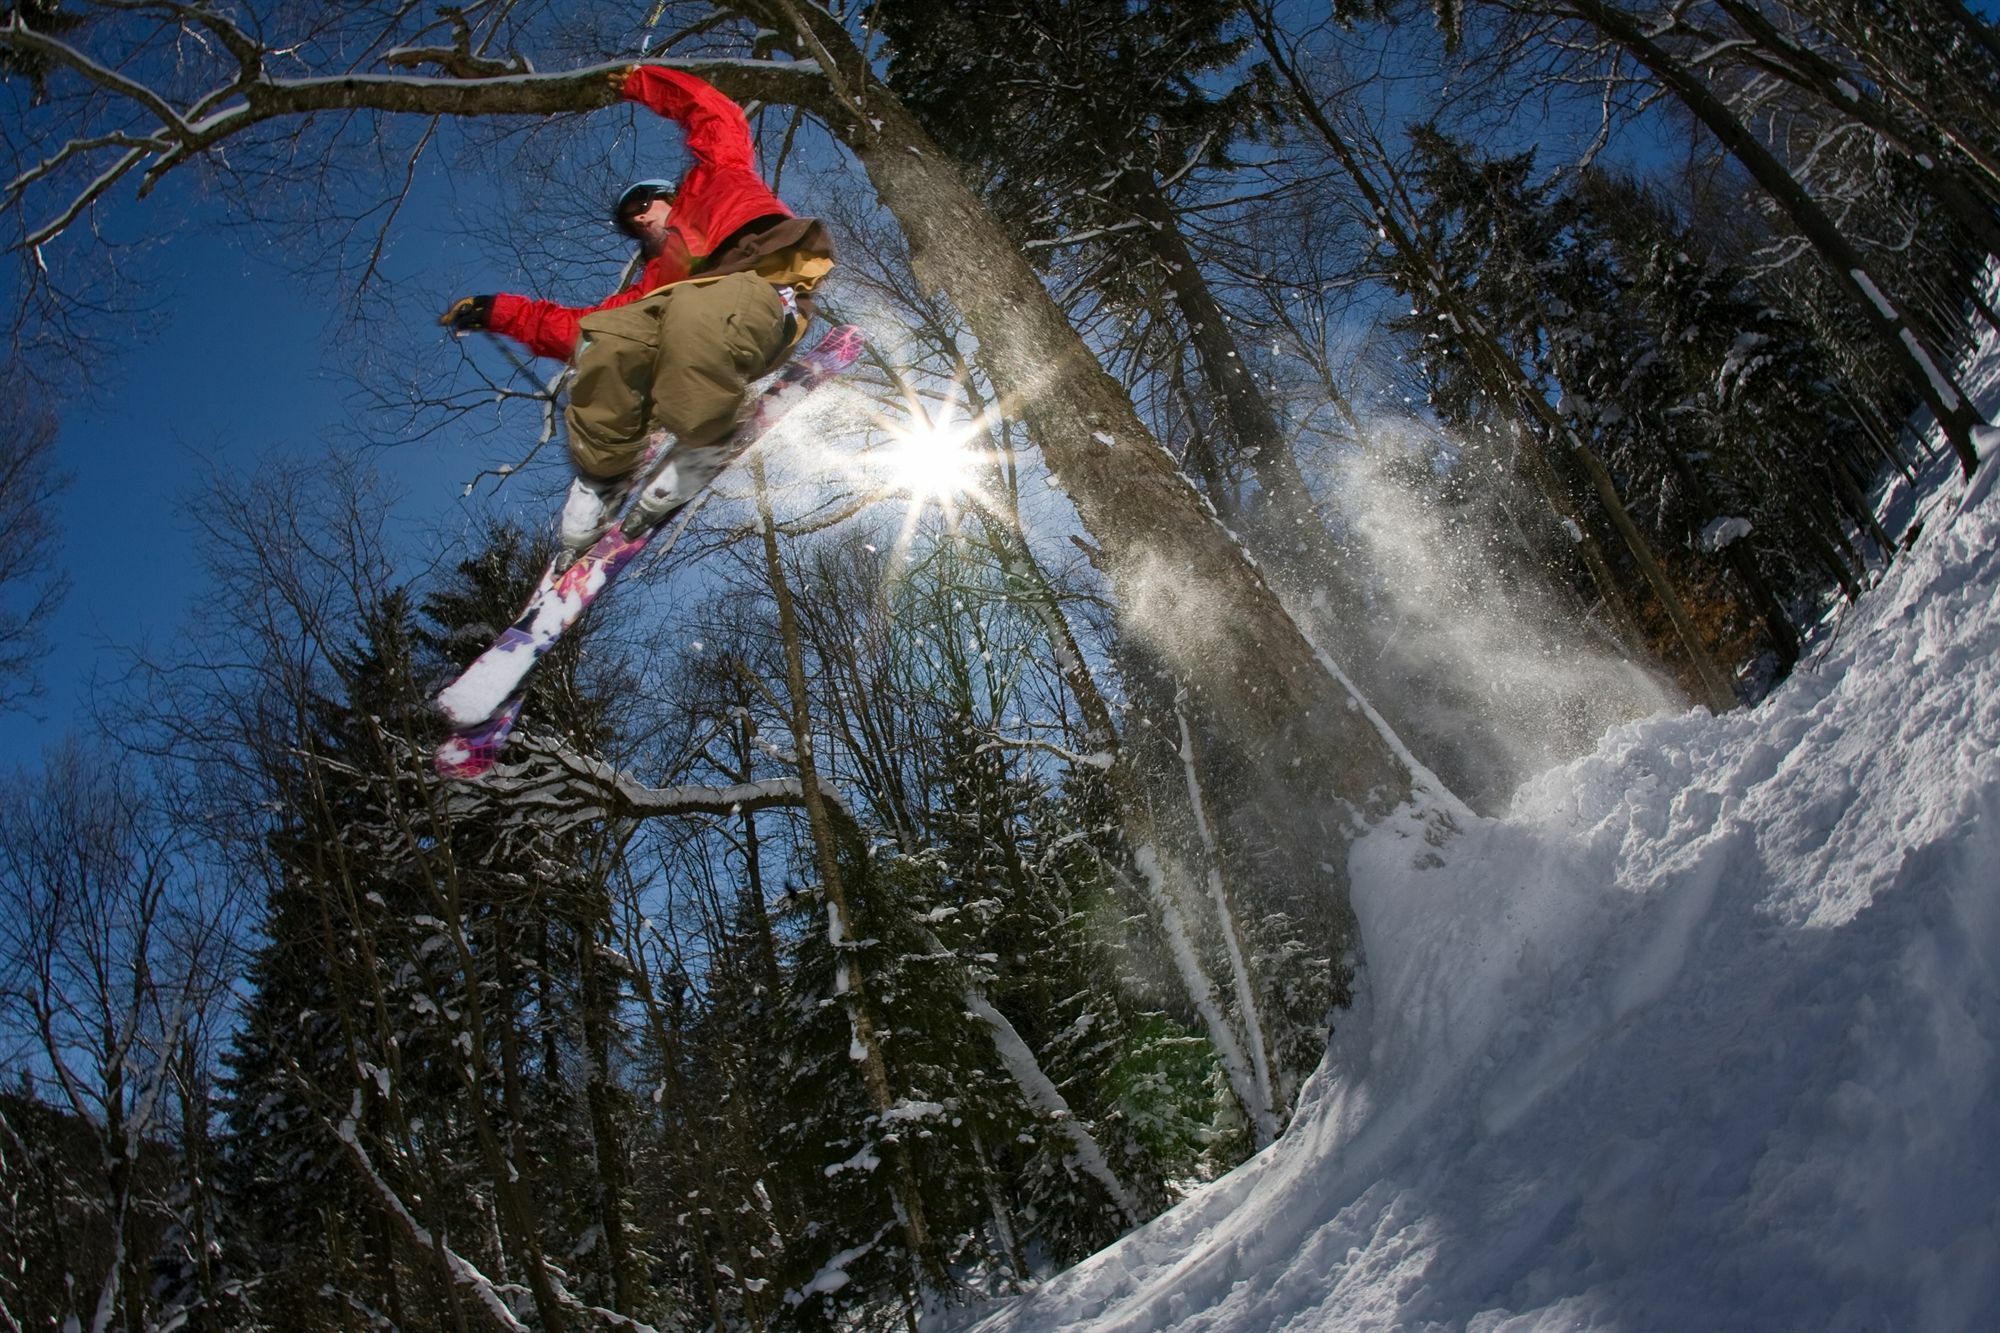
[{"x": 931, "y": 462}]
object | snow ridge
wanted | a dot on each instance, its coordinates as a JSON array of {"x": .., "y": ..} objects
[{"x": 1704, "y": 1034}]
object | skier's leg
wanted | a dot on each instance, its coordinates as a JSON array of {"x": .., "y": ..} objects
[
  {"x": 610, "y": 390},
  {"x": 679, "y": 362},
  {"x": 609, "y": 414},
  {"x": 715, "y": 338}
]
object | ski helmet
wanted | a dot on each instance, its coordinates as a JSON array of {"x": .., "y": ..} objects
[{"x": 635, "y": 199}]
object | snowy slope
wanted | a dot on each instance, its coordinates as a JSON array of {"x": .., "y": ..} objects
[{"x": 1705, "y": 1034}]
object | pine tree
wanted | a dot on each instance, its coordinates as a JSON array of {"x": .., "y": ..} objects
[
  {"x": 431, "y": 976},
  {"x": 311, "y": 1031},
  {"x": 1524, "y": 255},
  {"x": 1684, "y": 378}
]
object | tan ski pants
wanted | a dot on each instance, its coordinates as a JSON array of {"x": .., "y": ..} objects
[{"x": 679, "y": 360}]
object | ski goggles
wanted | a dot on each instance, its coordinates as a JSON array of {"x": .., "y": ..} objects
[{"x": 636, "y": 200}]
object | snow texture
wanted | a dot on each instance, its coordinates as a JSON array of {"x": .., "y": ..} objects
[
  {"x": 1867, "y": 285},
  {"x": 1701, "y": 1035},
  {"x": 1721, "y": 532}
]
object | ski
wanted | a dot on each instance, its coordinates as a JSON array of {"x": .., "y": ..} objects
[{"x": 484, "y": 703}]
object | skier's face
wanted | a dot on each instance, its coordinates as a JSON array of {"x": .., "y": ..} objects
[{"x": 649, "y": 224}]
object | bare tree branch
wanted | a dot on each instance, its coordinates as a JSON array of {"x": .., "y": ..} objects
[{"x": 247, "y": 97}]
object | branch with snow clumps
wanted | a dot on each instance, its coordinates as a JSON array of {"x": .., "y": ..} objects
[{"x": 578, "y": 789}]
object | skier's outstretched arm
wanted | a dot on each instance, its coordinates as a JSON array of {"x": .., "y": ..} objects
[
  {"x": 543, "y": 327},
  {"x": 718, "y": 134}
]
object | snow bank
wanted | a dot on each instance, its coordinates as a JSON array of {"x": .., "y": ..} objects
[{"x": 1702, "y": 1035}]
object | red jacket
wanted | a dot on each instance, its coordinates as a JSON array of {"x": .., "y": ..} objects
[{"x": 720, "y": 193}]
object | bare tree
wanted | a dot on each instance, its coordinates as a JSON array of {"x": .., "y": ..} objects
[{"x": 113, "y": 955}]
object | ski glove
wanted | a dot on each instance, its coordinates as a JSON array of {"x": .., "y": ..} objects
[{"x": 469, "y": 314}]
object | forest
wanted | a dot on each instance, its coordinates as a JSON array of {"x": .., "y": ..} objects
[{"x": 931, "y": 863}]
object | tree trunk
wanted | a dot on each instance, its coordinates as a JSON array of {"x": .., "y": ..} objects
[
  {"x": 874, "y": 1070},
  {"x": 1306, "y": 557},
  {"x": 598, "y": 1001},
  {"x": 1264, "y": 1108}
]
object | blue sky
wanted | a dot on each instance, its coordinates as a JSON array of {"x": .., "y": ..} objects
[{"x": 240, "y": 359}]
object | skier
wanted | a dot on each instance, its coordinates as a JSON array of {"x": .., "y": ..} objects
[{"x": 725, "y": 294}]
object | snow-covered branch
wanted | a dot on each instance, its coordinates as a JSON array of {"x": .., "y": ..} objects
[
  {"x": 1084, "y": 237},
  {"x": 456, "y": 61},
  {"x": 1042, "y": 1094},
  {"x": 1100, "y": 760},
  {"x": 576, "y": 789},
  {"x": 463, "y": 1271}
]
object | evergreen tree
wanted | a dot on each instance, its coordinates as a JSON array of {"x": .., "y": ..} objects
[
  {"x": 1682, "y": 377},
  {"x": 429, "y": 982},
  {"x": 329, "y": 977}
]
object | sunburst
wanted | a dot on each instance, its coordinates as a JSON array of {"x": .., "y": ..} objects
[
  {"x": 934, "y": 462},
  {"x": 931, "y": 461}
]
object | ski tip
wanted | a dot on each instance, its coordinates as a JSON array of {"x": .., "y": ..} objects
[
  {"x": 460, "y": 704},
  {"x": 462, "y": 760}
]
